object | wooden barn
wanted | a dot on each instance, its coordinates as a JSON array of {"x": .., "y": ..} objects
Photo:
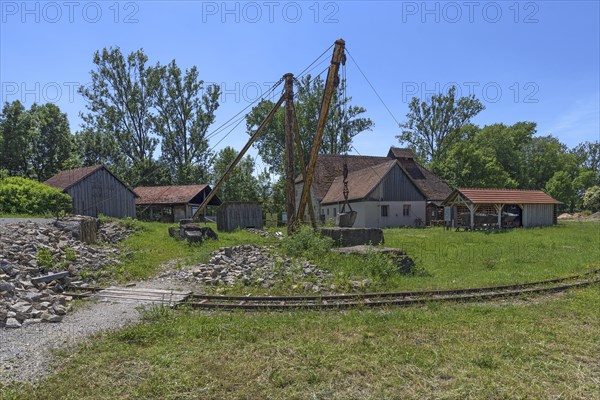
[
  {"x": 239, "y": 214},
  {"x": 95, "y": 190},
  {"x": 504, "y": 208},
  {"x": 171, "y": 203}
]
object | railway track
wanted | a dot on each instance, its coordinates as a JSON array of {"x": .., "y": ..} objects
[{"x": 354, "y": 300}]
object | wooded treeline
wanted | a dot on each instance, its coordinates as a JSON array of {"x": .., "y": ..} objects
[{"x": 149, "y": 123}]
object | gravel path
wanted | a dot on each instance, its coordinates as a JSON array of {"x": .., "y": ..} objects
[
  {"x": 26, "y": 353},
  {"x": 7, "y": 221}
]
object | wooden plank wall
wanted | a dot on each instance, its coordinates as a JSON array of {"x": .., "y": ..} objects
[{"x": 102, "y": 193}]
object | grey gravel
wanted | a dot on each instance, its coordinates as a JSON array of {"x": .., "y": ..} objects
[{"x": 26, "y": 353}]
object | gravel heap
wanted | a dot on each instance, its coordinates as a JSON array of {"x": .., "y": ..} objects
[
  {"x": 24, "y": 249},
  {"x": 262, "y": 233},
  {"x": 253, "y": 265},
  {"x": 113, "y": 232}
]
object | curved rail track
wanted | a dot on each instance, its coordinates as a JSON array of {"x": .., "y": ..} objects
[{"x": 357, "y": 300}]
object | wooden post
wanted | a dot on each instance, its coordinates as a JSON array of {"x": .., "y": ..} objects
[
  {"x": 239, "y": 157},
  {"x": 290, "y": 193},
  {"x": 499, "y": 207},
  {"x": 300, "y": 151},
  {"x": 332, "y": 79}
]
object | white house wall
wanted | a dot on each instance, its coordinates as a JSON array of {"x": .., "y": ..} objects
[{"x": 369, "y": 213}]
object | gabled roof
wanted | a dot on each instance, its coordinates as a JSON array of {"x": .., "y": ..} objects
[
  {"x": 503, "y": 196},
  {"x": 65, "y": 180},
  {"x": 400, "y": 152},
  {"x": 432, "y": 186},
  {"x": 329, "y": 167},
  {"x": 360, "y": 183},
  {"x": 165, "y": 195},
  {"x": 68, "y": 178}
]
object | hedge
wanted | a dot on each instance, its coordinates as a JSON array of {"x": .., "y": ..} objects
[{"x": 26, "y": 196}]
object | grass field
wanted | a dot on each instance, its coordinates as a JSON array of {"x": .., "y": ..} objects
[
  {"x": 446, "y": 259},
  {"x": 524, "y": 348},
  {"x": 537, "y": 349}
]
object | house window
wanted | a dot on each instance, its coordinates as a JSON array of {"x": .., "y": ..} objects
[
  {"x": 406, "y": 210},
  {"x": 385, "y": 210},
  {"x": 334, "y": 211},
  {"x": 328, "y": 211}
]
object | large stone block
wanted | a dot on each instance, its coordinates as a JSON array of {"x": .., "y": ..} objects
[{"x": 346, "y": 237}]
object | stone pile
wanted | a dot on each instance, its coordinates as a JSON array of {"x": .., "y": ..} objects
[
  {"x": 254, "y": 265},
  {"x": 265, "y": 234},
  {"x": 29, "y": 251},
  {"x": 113, "y": 232}
]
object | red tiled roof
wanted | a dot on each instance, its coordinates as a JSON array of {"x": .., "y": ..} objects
[
  {"x": 507, "y": 196},
  {"x": 360, "y": 183},
  {"x": 167, "y": 194},
  {"x": 65, "y": 179}
]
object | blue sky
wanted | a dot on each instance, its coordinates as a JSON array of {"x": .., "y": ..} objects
[{"x": 526, "y": 61}]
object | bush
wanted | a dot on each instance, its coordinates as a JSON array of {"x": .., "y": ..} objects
[
  {"x": 591, "y": 198},
  {"x": 25, "y": 196},
  {"x": 307, "y": 243}
]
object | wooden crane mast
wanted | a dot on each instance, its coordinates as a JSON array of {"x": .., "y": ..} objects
[{"x": 292, "y": 136}]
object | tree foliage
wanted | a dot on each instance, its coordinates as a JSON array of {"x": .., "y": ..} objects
[
  {"x": 132, "y": 107},
  {"x": 344, "y": 122},
  {"x": 35, "y": 143},
  {"x": 434, "y": 126},
  {"x": 591, "y": 199},
  {"x": 241, "y": 185},
  {"x": 185, "y": 110}
]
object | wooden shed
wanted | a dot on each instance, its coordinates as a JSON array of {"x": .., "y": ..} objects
[
  {"x": 473, "y": 208},
  {"x": 233, "y": 215},
  {"x": 95, "y": 190},
  {"x": 171, "y": 203}
]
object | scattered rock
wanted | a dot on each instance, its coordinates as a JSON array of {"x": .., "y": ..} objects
[
  {"x": 37, "y": 262},
  {"x": 253, "y": 265}
]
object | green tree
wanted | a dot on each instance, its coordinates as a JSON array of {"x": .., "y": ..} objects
[
  {"x": 52, "y": 145},
  {"x": 588, "y": 157},
  {"x": 120, "y": 100},
  {"x": 434, "y": 126},
  {"x": 591, "y": 199},
  {"x": 15, "y": 130},
  {"x": 241, "y": 185},
  {"x": 468, "y": 165},
  {"x": 344, "y": 122},
  {"x": 183, "y": 118},
  {"x": 560, "y": 186},
  {"x": 543, "y": 157}
]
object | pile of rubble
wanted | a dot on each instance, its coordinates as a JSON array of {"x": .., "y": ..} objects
[
  {"x": 29, "y": 255},
  {"x": 265, "y": 234},
  {"x": 254, "y": 265},
  {"x": 113, "y": 232}
]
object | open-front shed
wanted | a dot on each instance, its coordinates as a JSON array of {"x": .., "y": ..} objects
[
  {"x": 505, "y": 208},
  {"x": 171, "y": 203}
]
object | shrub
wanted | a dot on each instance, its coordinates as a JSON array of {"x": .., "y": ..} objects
[
  {"x": 308, "y": 243},
  {"x": 26, "y": 196},
  {"x": 591, "y": 198},
  {"x": 44, "y": 259}
]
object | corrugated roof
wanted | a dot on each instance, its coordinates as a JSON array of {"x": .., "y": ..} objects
[
  {"x": 360, "y": 183},
  {"x": 65, "y": 179},
  {"x": 506, "y": 196},
  {"x": 168, "y": 194}
]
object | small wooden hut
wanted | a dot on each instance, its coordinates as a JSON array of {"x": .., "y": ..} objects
[{"x": 233, "y": 215}]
